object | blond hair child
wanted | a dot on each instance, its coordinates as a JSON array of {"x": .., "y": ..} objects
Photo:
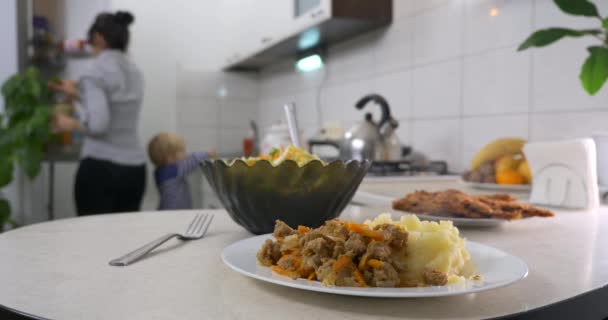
[{"x": 168, "y": 153}]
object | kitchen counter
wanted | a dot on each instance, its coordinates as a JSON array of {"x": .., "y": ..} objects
[
  {"x": 60, "y": 270},
  {"x": 398, "y": 186}
]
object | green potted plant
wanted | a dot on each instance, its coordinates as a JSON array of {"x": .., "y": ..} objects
[
  {"x": 595, "y": 69},
  {"x": 24, "y": 130}
]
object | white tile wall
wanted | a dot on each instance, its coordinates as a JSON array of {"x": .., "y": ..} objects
[
  {"x": 270, "y": 109},
  {"x": 405, "y": 132},
  {"x": 567, "y": 124},
  {"x": 236, "y": 114},
  {"x": 556, "y": 68},
  {"x": 496, "y": 82},
  {"x": 438, "y": 33},
  {"x": 451, "y": 72},
  {"x": 439, "y": 139},
  {"x": 395, "y": 44},
  {"x": 352, "y": 59},
  {"x": 231, "y": 140},
  {"x": 402, "y": 9},
  {"x": 398, "y": 91},
  {"x": 197, "y": 111},
  {"x": 240, "y": 85},
  {"x": 199, "y": 138},
  {"x": 213, "y": 113},
  {"x": 214, "y": 109},
  {"x": 193, "y": 83},
  {"x": 420, "y": 5},
  {"x": 437, "y": 90},
  {"x": 556, "y": 79},
  {"x": 490, "y": 24},
  {"x": 306, "y": 102},
  {"x": 546, "y": 15},
  {"x": 338, "y": 101}
]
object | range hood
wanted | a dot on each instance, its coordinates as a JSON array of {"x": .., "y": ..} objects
[{"x": 345, "y": 19}]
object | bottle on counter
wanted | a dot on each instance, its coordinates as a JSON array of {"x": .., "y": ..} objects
[{"x": 251, "y": 142}]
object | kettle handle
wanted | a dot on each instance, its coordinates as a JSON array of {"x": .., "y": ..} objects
[{"x": 386, "y": 111}]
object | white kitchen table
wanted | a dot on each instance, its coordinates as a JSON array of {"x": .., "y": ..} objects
[{"x": 59, "y": 270}]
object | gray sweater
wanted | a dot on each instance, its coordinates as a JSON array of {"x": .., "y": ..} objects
[{"x": 111, "y": 92}]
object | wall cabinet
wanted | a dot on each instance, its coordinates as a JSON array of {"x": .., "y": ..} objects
[{"x": 262, "y": 32}]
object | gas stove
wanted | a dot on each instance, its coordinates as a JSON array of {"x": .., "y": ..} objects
[{"x": 407, "y": 168}]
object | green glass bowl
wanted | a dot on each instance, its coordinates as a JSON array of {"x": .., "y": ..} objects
[{"x": 255, "y": 196}]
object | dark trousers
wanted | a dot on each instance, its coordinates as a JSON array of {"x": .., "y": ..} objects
[{"x": 106, "y": 187}]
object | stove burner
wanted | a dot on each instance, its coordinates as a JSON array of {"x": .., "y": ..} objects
[{"x": 406, "y": 168}]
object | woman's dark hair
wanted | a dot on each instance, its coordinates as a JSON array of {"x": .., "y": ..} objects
[{"x": 114, "y": 28}]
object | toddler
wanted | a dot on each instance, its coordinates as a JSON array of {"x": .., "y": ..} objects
[{"x": 168, "y": 153}]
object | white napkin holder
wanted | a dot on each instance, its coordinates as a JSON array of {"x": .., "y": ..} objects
[{"x": 564, "y": 173}]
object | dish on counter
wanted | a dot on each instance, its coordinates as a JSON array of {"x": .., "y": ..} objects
[
  {"x": 377, "y": 253},
  {"x": 454, "y": 203},
  {"x": 429, "y": 246},
  {"x": 499, "y": 187},
  {"x": 500, "y": 163},
  {"x": 465, "y": 222},
  {"x": 289, "y": 184}
]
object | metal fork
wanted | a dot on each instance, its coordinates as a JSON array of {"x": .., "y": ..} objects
[{"x": 197, "y": 229}]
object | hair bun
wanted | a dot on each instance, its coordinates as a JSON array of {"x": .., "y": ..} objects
[{"x": 124, "y": 18}]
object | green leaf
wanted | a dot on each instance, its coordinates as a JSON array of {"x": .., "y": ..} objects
[
  {"x": 5, "y": 143},
  {"x": 5, "y": 213},
  {"x": 545, "y": 37},
  {"x": 578, "y": 7},
  {"x": 5, "y": 207},
  {"x": 11, "y": 85},
  {"x": 6, "y": 172},
  {"x": 13, "y": 137},
  {"x": 36, "y": 89},
  {"x": 605, "y": 24},
  {"x": 25, "y": 126},
  {"x": 595, "y": 70},
  {"x": 40, "y": 119},
  {"x": 29, "y": 158},
  {"x": 32, "y": 73}
]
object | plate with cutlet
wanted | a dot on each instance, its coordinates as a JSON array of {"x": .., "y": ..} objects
[
  {"x": 468, "y": 210},
  {"x": 522, "y": 188}
]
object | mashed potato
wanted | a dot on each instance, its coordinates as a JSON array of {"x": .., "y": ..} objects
[{"x": 430, "y": 246}]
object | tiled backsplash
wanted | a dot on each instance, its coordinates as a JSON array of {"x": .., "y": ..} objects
[
  {"x": 213, "y": 113},
  {"x": 450, "y": 70},
  {"x": 214, "y": 109}
]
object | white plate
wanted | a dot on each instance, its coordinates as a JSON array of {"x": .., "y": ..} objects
[
  {"x": 499, "y": 187},
  {"x": 497, "y": 268},
  {"x": 465, "y": 222},
  {"x": 370, "y": 199}
]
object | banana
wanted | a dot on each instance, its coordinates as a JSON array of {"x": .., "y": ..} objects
[{"x": 497, "y": 149}]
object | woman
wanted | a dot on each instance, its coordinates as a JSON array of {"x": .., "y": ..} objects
[{"x": 111, "y": 175}]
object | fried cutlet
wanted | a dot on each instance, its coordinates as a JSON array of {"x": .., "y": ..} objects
[{"x": 455, "y": 203}]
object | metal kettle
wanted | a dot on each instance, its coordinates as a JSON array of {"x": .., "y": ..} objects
[{"x": 370, "y": 140}]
